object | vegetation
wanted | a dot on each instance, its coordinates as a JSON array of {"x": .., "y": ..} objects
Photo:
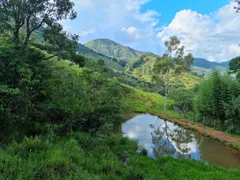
[
  {"x": 183, "y": 99},
  {"x": 111, "y": 63},
  {"x": 167, "y": 69},
  {"x": 59, "y": 110},
  {"x": 80, "y": 156},
  {"x": 112, "y": 49},
  {"x": 217, "y": 101},
  {"x": 234, "y": 66}
]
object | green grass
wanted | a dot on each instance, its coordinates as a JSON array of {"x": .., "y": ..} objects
[
  {"x": 146, "y": 102},
  {"x": 205, "y": 134},
  {"x": 81, "y": 156}
]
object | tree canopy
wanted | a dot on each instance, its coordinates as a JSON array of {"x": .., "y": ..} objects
[{"x": 167, "y": 69}]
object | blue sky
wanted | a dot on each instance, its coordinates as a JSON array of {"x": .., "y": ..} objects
[
  {"x": 207, "y": 28},
  {"x": 169, "y": 8}
]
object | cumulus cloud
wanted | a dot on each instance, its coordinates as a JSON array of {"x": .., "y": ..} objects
[
  {"x": 119, "y": 20},
  {"x": 214, "y": 37},
  {"x": 135, "y": 34}
]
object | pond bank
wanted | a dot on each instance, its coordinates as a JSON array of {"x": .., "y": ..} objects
[
  {"x": 161, "y": 138},
  {"x": 228, "y": 140}
]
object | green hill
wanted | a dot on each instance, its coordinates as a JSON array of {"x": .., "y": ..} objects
[
  {"x": 141, "y": 68},
  {"x": 112, "y": 63},
  {"x": 203, "y": 63},
  {"x": 202, "y": 67},
  {"x": 112, "y": 49}
]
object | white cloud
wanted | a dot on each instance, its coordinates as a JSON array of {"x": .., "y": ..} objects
[
  {"x": 215, "y": 36},
  {"x": 135, "y": 34},
  {"x": 119, "y": 20}
]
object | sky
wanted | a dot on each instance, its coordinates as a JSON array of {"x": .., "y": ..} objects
[{"x": 207, "y": 28}]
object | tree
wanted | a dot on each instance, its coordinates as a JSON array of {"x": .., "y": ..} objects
[
  {"x": 183, "y": 99},
  {"x": 234, "y": 66},
  {"x": 23, "y": 18},
  {"x": 215, "y": 102},
  {"x": 232, "y": 111},
  {"x": 217, "y": 97},
  {"x": 167, "y": 68}
]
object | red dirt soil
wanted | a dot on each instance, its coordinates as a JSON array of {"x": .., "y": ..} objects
[{"x": 213, "y": 133}]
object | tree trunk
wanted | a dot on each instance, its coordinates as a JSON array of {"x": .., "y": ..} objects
[
  {"x": 204, "y": 120},
  {"x": 165, "y": 103},
  {"x": 214, "y": 123},
  {"x": 185, "y": 113}
]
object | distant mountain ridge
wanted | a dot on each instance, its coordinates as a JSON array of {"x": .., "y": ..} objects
[
  {"x": 201, "y": 62},
  {"x": 120, "y": 57},
  {"x": 113, "y": 49}
]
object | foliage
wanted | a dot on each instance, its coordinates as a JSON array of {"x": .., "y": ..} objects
[
  {"x": 168, "y": 68},
  {"x": 216, "y": 102},
  {"x": 141, "y": 68},
  {"x": 232, "y": 112},
  {"x": 85, "y": 98},
  {"x": 80, "y": 156},
  {"x": 234, "y": 66},
  {"x": 94, "y": 56},
  {"x": 112, "y": 49},
  {"x": 21, "y": 19},
  {"x": 183, "y": 99},
  {"x": 21, "y": 86}
]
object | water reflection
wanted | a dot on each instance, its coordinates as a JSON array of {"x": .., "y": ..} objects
[
  {"x": 163, "y": 138},
  {"x": 173, "y": 140}
]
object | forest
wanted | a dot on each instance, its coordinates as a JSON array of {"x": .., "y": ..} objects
[{"x": 61, "y": 111}]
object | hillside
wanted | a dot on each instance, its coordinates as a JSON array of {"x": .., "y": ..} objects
[
  {"x": 203, "y": 63},
  {"x": 110, "y": 62},
  {"x": 112, "y": 49},
  {"x": 141, "y": 68},
  {"x": 202, "y": 67}
]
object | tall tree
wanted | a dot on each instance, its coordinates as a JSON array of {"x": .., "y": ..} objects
[
  {"x": 167, "y": 69},
  {"x": 217, "y": 98},
  {"x": 22, "y": 18}
]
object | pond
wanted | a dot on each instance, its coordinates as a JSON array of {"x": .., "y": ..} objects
[{"x": 162, "y": 138}]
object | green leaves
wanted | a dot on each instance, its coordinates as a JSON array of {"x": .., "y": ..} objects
[
  {"x": 22, "y": 19},
  {"x": 234, "y": 66},
  {"x": 215, "y": 102},
  {"x": 167, "y": 69}
]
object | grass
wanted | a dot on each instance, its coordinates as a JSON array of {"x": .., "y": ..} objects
[
  {"x": 81, "y": 156},
  {"x": 139, "y": 101},
  {"x": 205, "y": 134}
]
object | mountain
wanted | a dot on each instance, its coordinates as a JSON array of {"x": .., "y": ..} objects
[
  {"x": 139, "y": 64},
  {"x": 203, "y": 63},
  {"x": 225, "y": 64},
  {"x": 110, "y": 62},
  {"x": 112, "y": 49},
  {"x": 202, "y": 67}
]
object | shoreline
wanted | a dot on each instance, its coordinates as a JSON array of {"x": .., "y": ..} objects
[{"x": 220, "y": 136}]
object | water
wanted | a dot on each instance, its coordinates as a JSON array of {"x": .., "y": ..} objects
[{"x": 162, "y": 138}]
